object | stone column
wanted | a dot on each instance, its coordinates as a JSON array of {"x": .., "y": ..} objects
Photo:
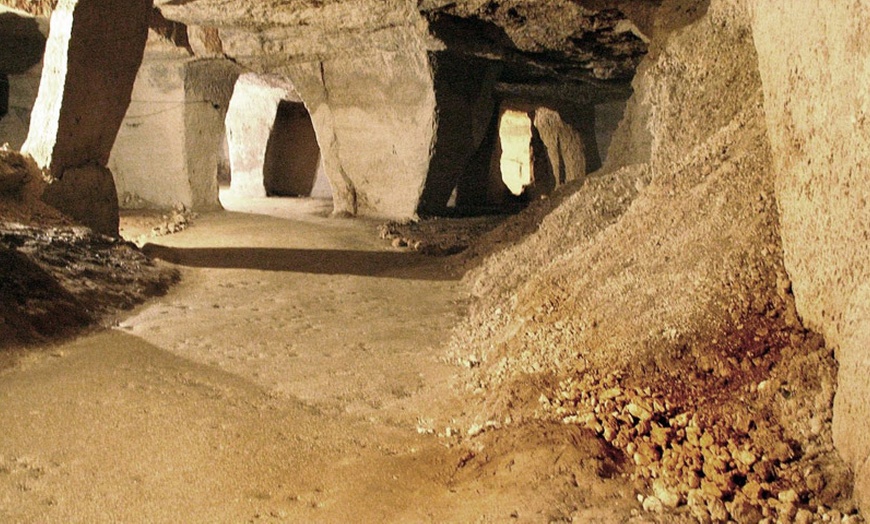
[{"x": 93, "y": 53}]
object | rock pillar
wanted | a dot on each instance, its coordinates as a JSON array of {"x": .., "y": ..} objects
[{"x": 92, "y": 56}]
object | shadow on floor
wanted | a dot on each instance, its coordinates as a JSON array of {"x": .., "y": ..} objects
[{"x": 407, "y": 266}]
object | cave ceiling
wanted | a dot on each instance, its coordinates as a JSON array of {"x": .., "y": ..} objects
[{"x": 583, "y": 50}]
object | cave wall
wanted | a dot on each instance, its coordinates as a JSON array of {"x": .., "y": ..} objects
[
  {"x": 23, "y": 89},
  {"x": 563, "y": 146},
  {"x": 814, "y": 59},
  {"x": 465, "y": 107},
  {"x": 364, "y": 75},
  {"x": 679, "y": 243},
  {"x": 292, "y": 163},
  {"x": 23, "y": 43},
  {"x": 251, "y": 121},
  {"x": 374, "y": 114},
  {"x": 167, "y": 150}
]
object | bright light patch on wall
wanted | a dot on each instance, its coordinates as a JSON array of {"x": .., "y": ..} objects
[{"x": 515, "y": 136}]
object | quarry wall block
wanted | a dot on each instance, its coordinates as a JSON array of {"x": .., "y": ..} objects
[{"x": 814, "y": 59}]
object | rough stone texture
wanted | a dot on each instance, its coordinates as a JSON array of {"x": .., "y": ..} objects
[
  {"x": 15, "y": 124},
  {"x": 23, "y": 80},
  {"x": 57, "y": 278},
  {"x": 815, "y": 64},
  {"x": 87, "y": 194},
  {"x": 607, "y": 118},
  {"x": 169, "y": 145},
  {"x": 205, "y": 41},
  {"x": 23, "y": 41},
  {"x": 632, "y": 141},
  {"x": 92, "y": 56},
  {"x": 564, "y": 146},
  {"x": 465, "y": 106},
  {"x": 374, "y": 116},
  {"x": 362, "y": 70},
  {"x": 13, "y": 172},
  {"x": 34, "y": 7},
  {"x": 292, "y": 164},
  {"x": 696, "y": 168},
  {"x": 209, "y": 88},
  {"x": 385, "y": 63},
  {"x": 572, "y": 40}
]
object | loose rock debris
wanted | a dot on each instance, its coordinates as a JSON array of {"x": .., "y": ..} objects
[{"x": 57, "y": 280}]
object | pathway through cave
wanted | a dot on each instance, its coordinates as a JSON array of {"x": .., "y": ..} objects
[{"x": 292, "y": 376}]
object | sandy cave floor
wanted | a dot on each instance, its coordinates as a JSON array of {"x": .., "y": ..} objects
[{"x": 295, "y": 374}]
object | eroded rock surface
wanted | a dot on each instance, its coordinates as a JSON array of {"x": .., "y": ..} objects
[{"x": 816, "y": 104}]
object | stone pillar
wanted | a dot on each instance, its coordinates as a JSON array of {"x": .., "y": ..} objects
[
  {"x": 94, "y": 50},
  {"x": 169, "y": 145},
  {"x": 465, "y": 106},
  {"x": 564, "y": 146}
]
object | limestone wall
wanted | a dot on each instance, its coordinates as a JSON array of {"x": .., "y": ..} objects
[
  {"x": 374, "y": 115},
  {"x": 168, "y": 147},
  {"x": 22, "y": 95},
  {"x": 23, "y": 43},
  {"x": 250, "y": 122},
  {"x": 148, "y": 158},
  {"x": 814, "y": 58}
]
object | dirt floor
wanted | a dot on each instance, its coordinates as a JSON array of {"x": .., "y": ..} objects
[{"x": 282, "y": 381}]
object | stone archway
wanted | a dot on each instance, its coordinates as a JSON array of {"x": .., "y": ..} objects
[{"x": 273, "y": 146}]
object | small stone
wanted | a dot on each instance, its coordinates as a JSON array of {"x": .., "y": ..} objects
[
  {"x": 697, "y": 505},
  {"x": 717, "y": 510},
  {"x": 743, "y": 511},
  {"x": 710, "y": 489},
  {"x": 653, "y": 505},
  {"x": 782, "y": 452},
  {"x": 804, "y": 516},
  {"x": 788, "y": 496},
  {"x": 660, "y": 435},
  {"x": 787, "y": 511},
  {"x": 680, "y": 420},
  {"x": 706, "y": 440},
  {"x": 753, "y": 491},
  {"x": 667, "y": 497},
  {"x": 745, "y": 457},
  {"x": 611, "y": 393},
  {"x": 638, "y": 411}
]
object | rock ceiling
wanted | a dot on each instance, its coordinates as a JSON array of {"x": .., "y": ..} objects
[{"x": 584, "y": 49}]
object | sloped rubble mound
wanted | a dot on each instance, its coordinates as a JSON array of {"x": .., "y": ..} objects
[
  {"x": 652, "y": 307},
  {"x": 57, "y": 278}
]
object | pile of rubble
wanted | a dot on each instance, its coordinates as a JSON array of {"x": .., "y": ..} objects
[{"x": 746, "y": 447}]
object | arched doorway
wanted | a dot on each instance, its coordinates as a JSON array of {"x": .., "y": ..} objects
[{"x": 272, "y": 143}]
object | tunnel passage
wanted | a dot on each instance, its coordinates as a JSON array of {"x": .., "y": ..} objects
[
  {"x": 272, "y": 142},
  {"x": 292, "y": 164},
  {"x": 529, "y": 151},
  {"x": 516, "y": 162}
]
